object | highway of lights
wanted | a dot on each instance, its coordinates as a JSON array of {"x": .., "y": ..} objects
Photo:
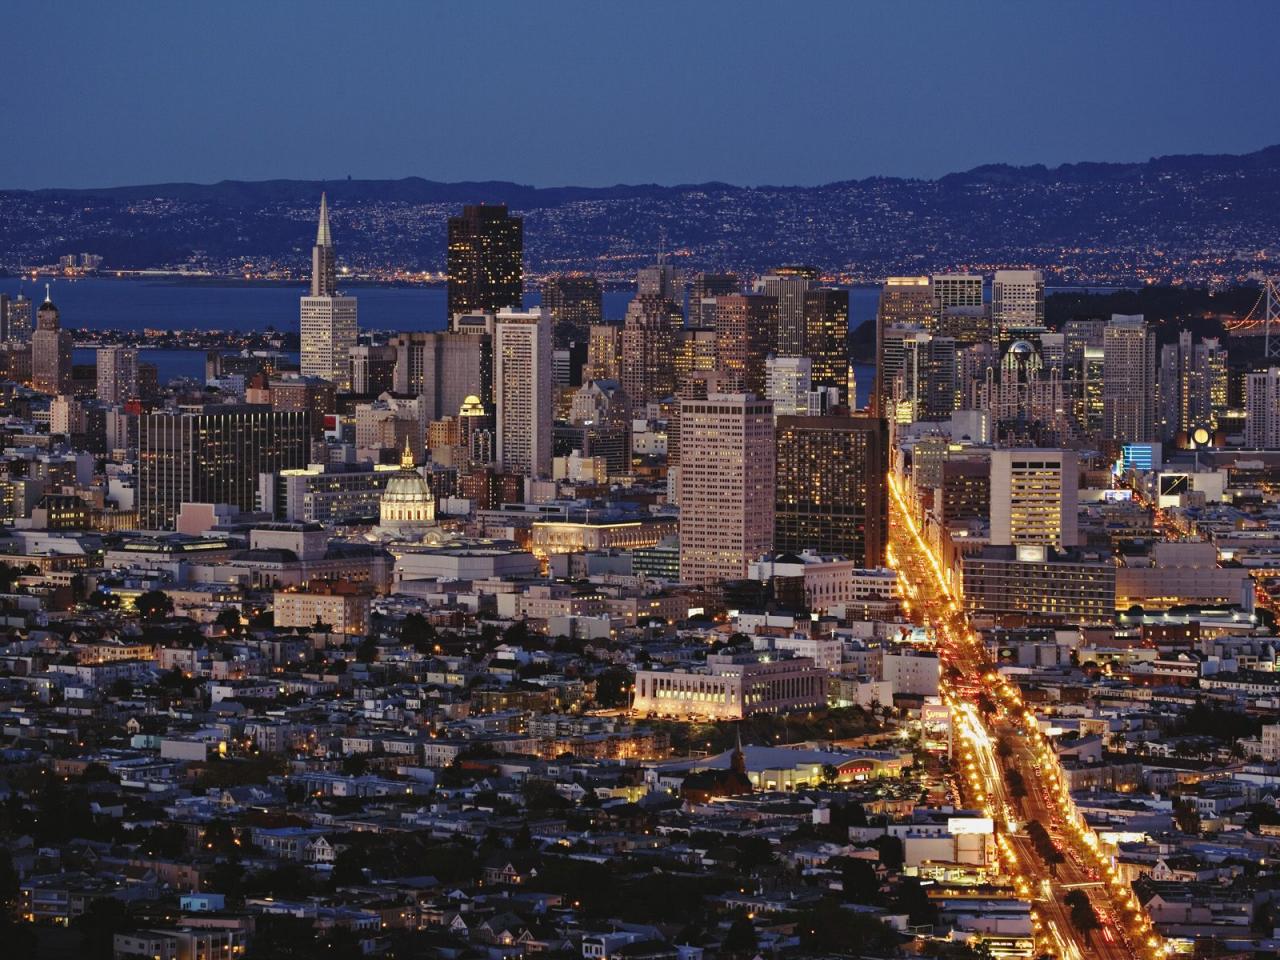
[{"x": 988, "y": 712}]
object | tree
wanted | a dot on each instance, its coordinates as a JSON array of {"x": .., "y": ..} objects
[
  {"x": 859, "y": 881},
  {"x": 1082, "y": 916},
  {"x": 367, "y": 651},
  {"x": 416, "y": 631},
  {"x": 829, "y": 773},
  {"x": 891, "y": 851},
  {"x": 229, "y": 620},
  {"x": 153, "y": 605},
  {"x": 613, "y": 687},
  {"x": 741, "y": 939},
  {"x": 98, "y": 925}
]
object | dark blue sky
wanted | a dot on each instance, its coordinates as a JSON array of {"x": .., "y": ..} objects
[{"x": 603, "y": 92}]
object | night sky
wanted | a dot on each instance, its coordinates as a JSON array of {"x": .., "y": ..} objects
[{"x": 595, "y": 93}]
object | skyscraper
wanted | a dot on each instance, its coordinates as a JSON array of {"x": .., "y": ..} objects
[
  {"x": 50, "y": 351},
  {"x": 1128, "y": 382},
  {"x": 117, "y": 374},
  {"x": 826, "y": 318},
  {"x": 926, "y": 388},
  {"x": 604, "y": 353},
  {"x": 830, "y": 494},
  {"x": 213, "y": 454},
  {"x": 328, "y": 319},
  {"x": 648, "y": 346},
  {"x": 904, "y": 302},
  {"x": 15, "y": 322},
  {"x": 746, "y": 333},
  {"x": 1017, "y": 299},
  {"x": 702, "y": 293},
  {"x": 788, "y": 384},
  {"x": 955, "y": 290},
  {"x": 789, "y": 285},
  {"x": 522, "y": 391},
  {"x": 444, "y": 368},
  {"x": 485, "y": 269},
  {"x": 726, "y": 486},
  {"x": 573, "y": 300},
  {"x": 1033, "y": 497},
  {"x": 1262, "y": 409},
  {"x": 372, "y": 368}
]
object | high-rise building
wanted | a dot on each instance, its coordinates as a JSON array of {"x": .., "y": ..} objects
[
  {"x": 444, "y": 368},
  {"x": 746, "y": 333},
  {"x": 604, "y": 353},
  {"x": 726, "y": 486},
  {"x": 904, "y": 302},
  {"x": 117, "y": 374},
  {"x": 789, "y": 287},
  {"x": 1262, "y": 409},
  {"x": 955, "y": 290},
  {"x": 648, "y": 342},
  {"x": 328, "y": 319},
  {"x": 1017, "y": 299},
  {"x": 831, "y": 496},
  {"x": 486, "y": 273},
  {"x": 925, "y": 387},
  {"x": 522, "y": 391},
  {"x": 15, "y": 319},
  {"x": 702, "y": 294},
  {"x": 372, "y": 368},
  {"x": 788, "y": 385},
  {"x": 1033, "y": 497},
  {"x": 50, "y": 351},
  {"x": 573, "y": 300},
  {"x": 213, "y": 454},
  {"x": 1202, "y": 383},
  {"x": 967, "y": 326},
  {"x": 695, "y": 353},
  {"x": 1128, "y": 382},
  {"x": 826, "y": 318}
]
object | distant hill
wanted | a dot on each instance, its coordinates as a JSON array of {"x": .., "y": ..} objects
[{"x": 1200, "y": 218}]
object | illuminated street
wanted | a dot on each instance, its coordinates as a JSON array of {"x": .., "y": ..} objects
[{"x": 988, "y": 718}]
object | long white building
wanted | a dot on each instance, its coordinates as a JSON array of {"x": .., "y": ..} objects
[
  {"x": 522, "y": 391},
  {"x": 732, "y": 687}
]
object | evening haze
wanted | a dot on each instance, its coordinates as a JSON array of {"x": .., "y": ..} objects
[{"x": 600, "y": 93}]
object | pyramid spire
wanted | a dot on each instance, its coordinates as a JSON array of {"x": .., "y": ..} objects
[{"x": 323, "y": 237}]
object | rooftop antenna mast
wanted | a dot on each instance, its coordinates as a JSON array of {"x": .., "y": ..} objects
[{"x": 662, "y": 247}]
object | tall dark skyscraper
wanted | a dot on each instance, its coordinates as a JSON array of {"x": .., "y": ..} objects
[
  {"x": 826, "y": 320},
  {"x": 830, "y": 488},
  {"x": 214, "y": 454},
  {"x": 573, "y": 300},
  {"x": 50, "y": 351},
  {"x": 486, "y": 275}
]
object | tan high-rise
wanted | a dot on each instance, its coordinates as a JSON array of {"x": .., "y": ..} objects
[{"x": 726, "y": 486}]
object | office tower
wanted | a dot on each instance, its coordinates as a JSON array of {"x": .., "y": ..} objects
[
  {"x": 925, "y": 386},
  {"x": 600, "y": 424},
  {"x": 789, "y": 287},
  {"x": 702, "y": 293},
  {"x": 568, "y": 360},
  {"x": 522, "y": 391},
  {"x": 1128, "y": 382},
  {"x": 648, "y": 339},
  {"x": 1169, "y": 391},
  {"x": 831, "y": 495},
  {"x": 604, "y": 353},
  {"x": 573, "y": 300},
  {"x": 328, "y": 319},
  {"x": 967, "y": 326},
  {"x": 1262, "y": 409},
  {"x": 726, "y": 486},
  {"x": 746, "y": 333},
  {"x": 213, "y": 454},
  {"x": 1077, "y": 335},
  {"x": 695, "y": 353},
  {"x": 904, "y": 302},
  {"x": 1092, "y": 408},
  {"x": 50, "y": 351},
  {"x": 117, "y": 374},
  {"x": 955, "y": 290},
  {"x": 826, "y": 319},
  {"x": 485, "y": 269},
  {"x": 373, "y": 368},
  {"x": 1202, "y": 383},
  {"x": 443, "y": 368},
  {"x": 15, "y": 318},
  {"x": 1033, "y": 497},
  {"x": 1017, "y": 299},
  {"x": 788, "y": 385}
]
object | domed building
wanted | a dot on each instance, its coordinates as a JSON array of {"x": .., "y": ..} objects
[{"x": 407, "y": 507}]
